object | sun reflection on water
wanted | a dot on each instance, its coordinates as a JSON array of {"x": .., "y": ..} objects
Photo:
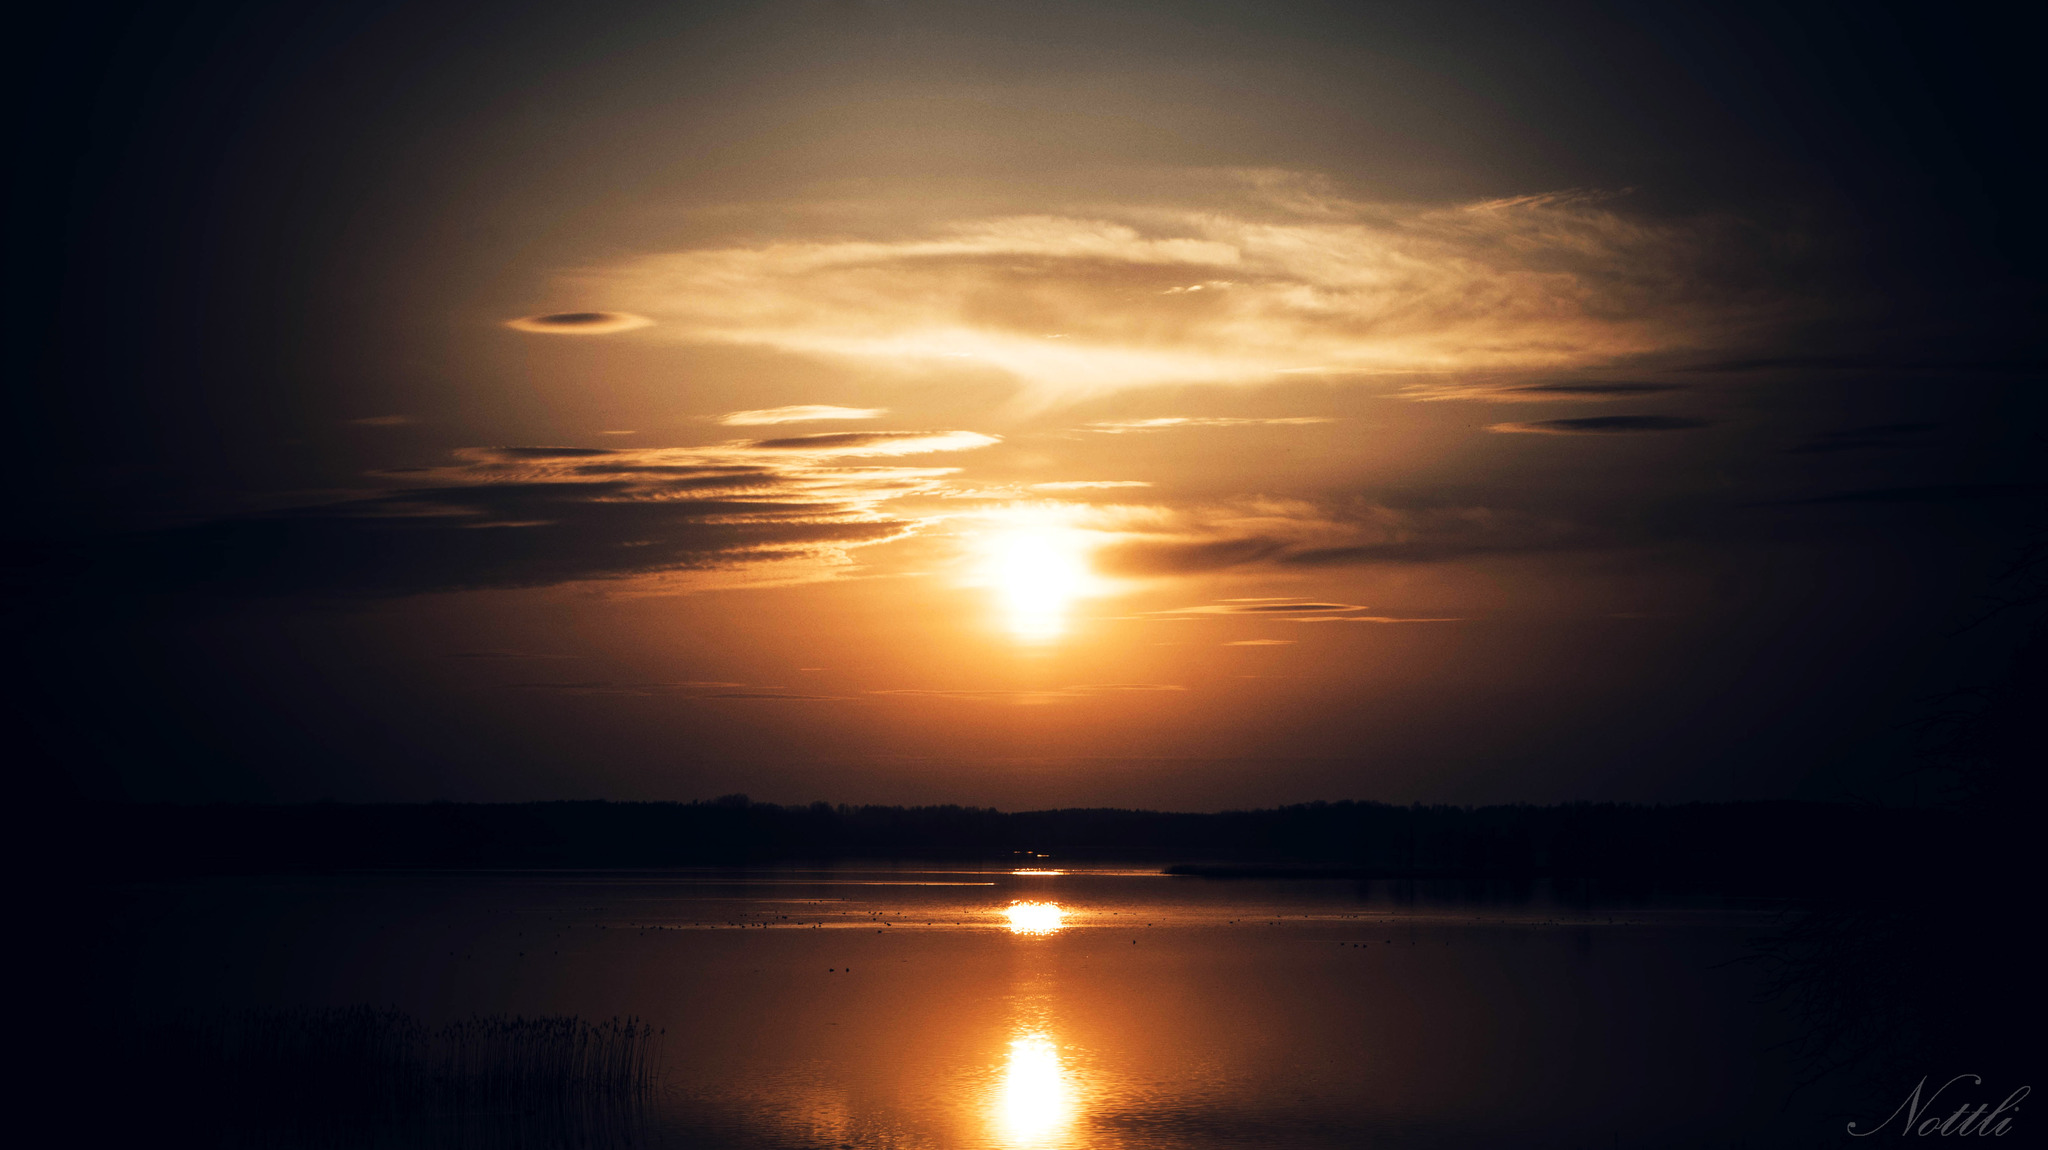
[
  {"x": 1035, "y": 1100},
  {"x": 1035, "y": 917}
]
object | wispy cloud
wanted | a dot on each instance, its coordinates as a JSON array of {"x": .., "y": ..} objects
[
  {"x": 799, "y": 413},
  {"x": 1261, "y": 607},
  {"x": 1532, "y": 392},
  {"x": 1290, "y": 279},
  {"x": 1156, "y": 541},
  {"x": 1604, "y": 425},
  {"x": 1174, "y": 422},
  {"x": 851, "y": 443},
  {"x": 1088, "y": 484},
  {"x": 1298, "y": 611},
  {"x": 383, "y": 421},
  {"x": 537, "y": 516}
]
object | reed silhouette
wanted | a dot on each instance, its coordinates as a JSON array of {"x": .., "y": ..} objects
[
  {"x": 359, "y": 1075},
  {"x": 1936, "y": 973}
]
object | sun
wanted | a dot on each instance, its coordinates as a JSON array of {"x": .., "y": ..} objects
[{"x": 1036, "y": 562}]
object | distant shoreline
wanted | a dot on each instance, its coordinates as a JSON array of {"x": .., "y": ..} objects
[{"x": 1743, "y": 847}]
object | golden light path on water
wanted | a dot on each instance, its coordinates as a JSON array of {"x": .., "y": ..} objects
[
  {"x": 1035, "y": 917},
  {"x": 1035, "y": 1100}
]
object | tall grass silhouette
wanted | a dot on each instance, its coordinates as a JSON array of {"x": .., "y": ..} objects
[{"x": 355, "y": 1069}]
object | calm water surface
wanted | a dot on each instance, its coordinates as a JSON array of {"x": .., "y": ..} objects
[{"x": 868, "y": 1007}]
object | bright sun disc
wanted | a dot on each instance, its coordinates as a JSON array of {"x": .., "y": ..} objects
[
  {"x": 1034, "y": 917},
  {"x": 1038, "y": 566}
]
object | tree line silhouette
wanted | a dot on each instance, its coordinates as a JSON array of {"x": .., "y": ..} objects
[{"x": 1737, "y": 846}]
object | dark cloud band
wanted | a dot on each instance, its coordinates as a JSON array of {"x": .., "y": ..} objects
[
  {"x": 1604, "y": 425},
  {"x": 579, "y": 322}
]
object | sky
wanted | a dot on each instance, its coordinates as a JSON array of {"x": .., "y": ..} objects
[{"x": 1187, "y": 406}]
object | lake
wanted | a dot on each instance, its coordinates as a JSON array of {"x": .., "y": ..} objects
[{"x": 973, "y": 1007}]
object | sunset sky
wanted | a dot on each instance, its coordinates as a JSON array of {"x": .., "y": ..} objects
[{"x": 1183, "y": 405}]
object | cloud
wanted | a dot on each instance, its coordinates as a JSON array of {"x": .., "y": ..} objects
[
  {"x": 1245, "y": 607},
  {"x": 1088, "y": 484},
  {"x": 1880, "y": 437},
  {"x": 1163, "y": 423},
  {"x": 1048, "y": 695},
  {"x": 1286, "y": 279},
  {"x": 799, "y": 413},
  {"x": 1604, "y": 425},
  {"x": 1532, "y": 392},
  {"x": 538, "y": 516},
  {"x": 1290, "y": 612},
  {"x": 1152, "y": 542},
  {"x": 1261, "y": 643},
  {"x": 383, "y": 421},
  {"x": 579, "y": 322},
  {"x": 1390, "y": 619},
  {"x": 878, "y": 442}
]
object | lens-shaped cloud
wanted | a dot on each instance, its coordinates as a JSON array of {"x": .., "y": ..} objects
[{"x": 579, "y": 322}]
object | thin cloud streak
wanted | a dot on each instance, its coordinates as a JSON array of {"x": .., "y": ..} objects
[
  {"x": 1591, "y": 391},
  {"x": 799, "y": 413},
  {"x": 1604, "y": 425},
  {"x": 1240, "y": 608},
  {"x": 1175, "y": 422}
]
